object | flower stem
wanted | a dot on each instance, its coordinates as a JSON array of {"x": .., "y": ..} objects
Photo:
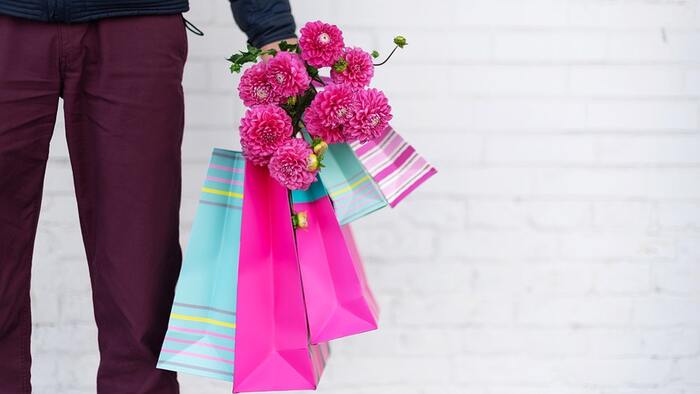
[{"x": 388, "y": 57}]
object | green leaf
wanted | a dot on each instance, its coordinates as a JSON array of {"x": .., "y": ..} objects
[
  {"x": 313, "y": 71},
  {"x": 243, "y": 57},
  {"x": 285, "y": 46}
]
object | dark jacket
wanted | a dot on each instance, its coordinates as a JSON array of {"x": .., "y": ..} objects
[{"x": 264, "y": 21}]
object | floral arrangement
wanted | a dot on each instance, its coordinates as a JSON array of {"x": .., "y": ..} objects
[{"x": 287, "y": 98}]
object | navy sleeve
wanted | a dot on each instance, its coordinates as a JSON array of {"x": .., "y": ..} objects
[{"x": 264, "y": 21}]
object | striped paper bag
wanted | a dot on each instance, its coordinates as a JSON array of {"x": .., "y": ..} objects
[
  {"x": 395, "y": 166},
  {"x": 201, "y": 332},
  {"x": 349, "y": 185}
]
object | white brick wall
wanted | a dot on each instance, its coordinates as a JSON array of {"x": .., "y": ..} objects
[{"x": 558, "y": 250}]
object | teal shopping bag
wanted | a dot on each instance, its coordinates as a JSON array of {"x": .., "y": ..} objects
[
  {"x": 351, "y": 188},
  {"x": 201, "y": 331}
]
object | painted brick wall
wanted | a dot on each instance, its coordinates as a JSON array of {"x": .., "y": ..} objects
[{"x": 558, "y": 250}]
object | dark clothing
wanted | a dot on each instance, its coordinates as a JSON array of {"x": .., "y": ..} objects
[
  {"x": 264, "y": 21},
  {"x": 120, "y": 80}
]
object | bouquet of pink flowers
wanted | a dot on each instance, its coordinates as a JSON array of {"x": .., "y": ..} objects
[{"x": 287, "y": 98}]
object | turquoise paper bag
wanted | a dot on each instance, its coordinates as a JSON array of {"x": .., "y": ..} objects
[
  {"x": 351, "y": 188},
  {"x": 202, "y": 328}
]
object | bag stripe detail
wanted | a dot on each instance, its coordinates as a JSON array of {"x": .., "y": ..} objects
[
  {"x": 394, "y": 164},
  {"x": 350, "y": 186},
  {"x": 196, "y": 355},
  {"x": 224, "y": 348},
  {"x": 204, "y": 332},
  {"x": 221, "y": 192},
  {"x": 203, "y": 320},
  {"x": 235, "y": 170},
  {"x": 218, "y": 204},
  {"x": 224, "y": 180},
  {"x": 196, "y": 367},
  {"x": 354, "y": 193},
  {"x": 207, "y": 308}
]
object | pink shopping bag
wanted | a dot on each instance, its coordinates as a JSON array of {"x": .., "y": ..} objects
[
  {"x": 394, "y": 165},
  {"x": 339, "y": 302},
  {"x": 272, "y": 349}
]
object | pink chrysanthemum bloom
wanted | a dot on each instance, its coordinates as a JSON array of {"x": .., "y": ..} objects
[
  {"x": 287, "y": 73},
  {"x": 292, "y": 165},
  {"x": 321, "y": 43},
  {"x": 263, "y": 129},
  {"x": 371, "y": 117},
  {"x": 255, "y": 89},
  {"x": 358, "y": 70},
  {"x": 329, "y": 113}
]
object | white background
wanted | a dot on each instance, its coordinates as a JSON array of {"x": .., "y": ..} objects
[{"x": 556, "y": 252}]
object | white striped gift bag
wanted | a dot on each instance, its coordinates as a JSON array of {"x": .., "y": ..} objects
[{"x": 394, "y": 164}]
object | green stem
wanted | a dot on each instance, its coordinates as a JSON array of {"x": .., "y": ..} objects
[{"x": 388, "y": 57}]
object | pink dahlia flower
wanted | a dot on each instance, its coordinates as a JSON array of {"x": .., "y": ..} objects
[
  {"x": 358, "y": 71},
  {"x": 255, "y": 89},
  {"x": 321, "y": 43},
  {"x": 371, "y": 117},
  {"x": 291, "y": 165},
  {"x": 287, "y": 73},
  {"x": 263, "y": 129},
  {"x": 330, "y": 112}
]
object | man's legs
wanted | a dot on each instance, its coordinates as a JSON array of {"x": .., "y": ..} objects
[
  {"x": 29, "y": 90},
  {"x": 124, "y": 121}
]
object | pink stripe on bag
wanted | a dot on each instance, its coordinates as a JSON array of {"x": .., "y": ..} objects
[
  {"x": 394, "y": 164},
  {"x": 196, "y": 355},
  {"x": 414, "y": 185},
  {"x": 398, "y": 162},
  {"x": 226, "y": 168},
  {"x": 379, "y": 153},
  {"x": 171, "y": 339},
  {"x": 224, "y": 180},
  {"x": 362, "y": 149},
  {"x": 205, "y": 332}
]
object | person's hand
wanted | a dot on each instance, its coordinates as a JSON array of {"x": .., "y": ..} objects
[{"x": 276, "y": 45}]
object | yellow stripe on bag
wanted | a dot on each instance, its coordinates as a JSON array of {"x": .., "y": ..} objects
[
  {"x": 221, "y": 192},
  {"x": 349, "y": 187},
  {"x": 203, "y": 320}
]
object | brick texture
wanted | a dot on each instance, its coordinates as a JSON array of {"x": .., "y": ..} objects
[{"x": 557, "y": 251}]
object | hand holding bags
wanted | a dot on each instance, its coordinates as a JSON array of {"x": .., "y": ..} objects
[
  {"x": 272, "y": 340},
  {"x": 200, "y": 336},
  {"x": 338, "y": 300}
]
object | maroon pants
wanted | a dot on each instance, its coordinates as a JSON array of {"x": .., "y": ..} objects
[{"x": 120, "y": 80}]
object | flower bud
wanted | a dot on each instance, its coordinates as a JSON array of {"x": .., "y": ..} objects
[
  {"x": 300, "y": 220},
  {"x": 400, "y": 41},
  {"x": 314, "y": 164},
  {"x": 320, "y": 147},
  {"x": 340, "y": 65},
  {"x": 292, "y": 101}
]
